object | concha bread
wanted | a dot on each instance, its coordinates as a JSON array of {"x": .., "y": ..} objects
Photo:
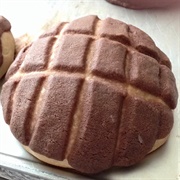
[
  {"x": 144, "y": 4},
  {"x": 90, "y": 94},
  {"x": 7, "y": 46}
]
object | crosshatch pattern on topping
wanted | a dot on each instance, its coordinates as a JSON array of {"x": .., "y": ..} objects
[
  {"x": 108, "y": 54},
  {"x": 94, "y": 63}
]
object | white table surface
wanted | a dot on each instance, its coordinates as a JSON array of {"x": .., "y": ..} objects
[{"x": 163, "y": 25}]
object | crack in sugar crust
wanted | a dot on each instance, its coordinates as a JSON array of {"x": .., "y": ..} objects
[
  {"x": 77, "y": 114},
  {"x": 95, "y": 37}
]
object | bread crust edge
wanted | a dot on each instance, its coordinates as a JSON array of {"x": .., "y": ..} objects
[
  {"x": 8, "y": 51},
  {"x": 64, "y": 164}
]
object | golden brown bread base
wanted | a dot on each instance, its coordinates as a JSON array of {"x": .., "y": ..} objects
[
  {"x": 45, "y": 159},
  {"x": 65, "y": 164},
  {"x": 8, "y": 48}
]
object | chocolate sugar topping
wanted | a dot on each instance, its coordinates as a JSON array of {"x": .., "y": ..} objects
[
  {"x": 98, "y": 93},
  {"x": 143, "y": 4},
  {"x": 4, "y": 27}
]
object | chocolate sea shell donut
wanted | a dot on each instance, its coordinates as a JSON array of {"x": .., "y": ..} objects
[
  {"x": 7, "y": 46},
  {"x": 90, "y": 94}
]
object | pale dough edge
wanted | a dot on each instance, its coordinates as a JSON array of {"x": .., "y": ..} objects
[
  {"x": 65, "y": 163},
  {"x": 8, "y": 51},
  {"x": 45, "y": 159}
]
